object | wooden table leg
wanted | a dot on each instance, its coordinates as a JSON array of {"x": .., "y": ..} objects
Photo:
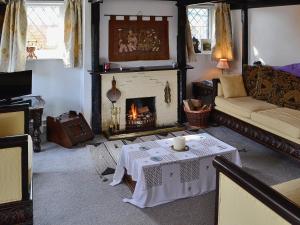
[{"x": 34, "y": 130}]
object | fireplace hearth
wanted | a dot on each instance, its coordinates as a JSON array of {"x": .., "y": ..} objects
[{"x": 140, "y": 114}]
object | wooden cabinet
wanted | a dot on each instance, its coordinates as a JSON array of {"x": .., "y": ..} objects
[{"x": 203, "y": 90}]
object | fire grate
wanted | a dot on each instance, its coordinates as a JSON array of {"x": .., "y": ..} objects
[{"x": 140, "y": 114}]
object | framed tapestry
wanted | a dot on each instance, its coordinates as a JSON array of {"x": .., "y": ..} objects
[{"x": 139, "y": 39}]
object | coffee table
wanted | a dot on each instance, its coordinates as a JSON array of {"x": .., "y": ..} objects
[{"x": 163, "y": 175}]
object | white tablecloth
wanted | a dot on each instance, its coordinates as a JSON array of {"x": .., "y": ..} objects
[{"x": 163, "y": 175}]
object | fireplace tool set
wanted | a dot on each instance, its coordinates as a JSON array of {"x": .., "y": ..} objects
[
  {"x": 114, "y": 125},
  {"x": 139, "y": 116},
  {"x": 114, "y": 95}
]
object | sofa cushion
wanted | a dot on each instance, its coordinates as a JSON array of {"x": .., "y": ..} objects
[
  {"x": 290, "y": 189},
  {"x": 233, "y": 86},
  {"x": 12, "y": 123},
  {"x": 220, "y": 90},
  {"x": 264, "y": 84},
  {"x": 286, "y": 90},
  {"x": 243, "y": 106},
  {"x": 285, "y": 120}
]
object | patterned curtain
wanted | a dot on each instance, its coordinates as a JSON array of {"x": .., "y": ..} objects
[
  {"x": 191, "y": 55},
  {"x": 13, "y": 40},
  {"x": 223, "y": 33},
  {"x": 73, "y": 34}
]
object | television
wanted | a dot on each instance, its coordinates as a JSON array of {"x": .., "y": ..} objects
[{"x": 15, "y": 84}]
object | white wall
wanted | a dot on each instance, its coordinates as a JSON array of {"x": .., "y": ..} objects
[
  {"x": 139, "y": 7},
  {"x": 205, "y": 68},
  {"x": 274, "y": 35},
  {"x": 236, "y": 18},
  {"x": 70, "y": 89},
  {"x": 65, "y": 89},
  {"x": 59, "y": 87},
  {"x": 86, "y": 97}
]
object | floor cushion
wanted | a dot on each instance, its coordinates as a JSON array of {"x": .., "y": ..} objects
[
  {"x": 243, "y": 106},
  {"x": 285, "y": 120}
]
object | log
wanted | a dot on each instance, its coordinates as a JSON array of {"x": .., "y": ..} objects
[{"x": 144, "y": 109}]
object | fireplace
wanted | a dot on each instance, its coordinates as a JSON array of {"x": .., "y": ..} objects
[
  {"x": 145, "y": 88},
  {"x": 140, "y": 113}
]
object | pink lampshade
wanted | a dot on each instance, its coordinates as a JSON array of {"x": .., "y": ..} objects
[{"x": 223, "y": 64}]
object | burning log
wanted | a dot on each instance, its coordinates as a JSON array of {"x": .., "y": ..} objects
[
  {"x": 144, "y": 109},
  {"x": 140, "y": 118}
]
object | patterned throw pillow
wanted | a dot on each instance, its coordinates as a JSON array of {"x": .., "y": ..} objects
[
  {"x": 250, "y": 74},
  {"x": 264, "y": 84},
  {"x": 250, "y": 78},
  {"x": 286, "y": 90}
]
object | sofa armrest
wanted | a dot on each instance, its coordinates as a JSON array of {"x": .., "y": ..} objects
[
  {"x": 30, "y": 158},
  {"x": 14, "y": 169},
  {"x": 215, "y": 81},
  {"x": 239, "y": 193}
]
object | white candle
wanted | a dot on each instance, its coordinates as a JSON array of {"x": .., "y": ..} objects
[{"x": 179, "y": 143}]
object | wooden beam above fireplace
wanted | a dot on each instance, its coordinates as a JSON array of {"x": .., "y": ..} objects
[{"x": 138, "y": 69}]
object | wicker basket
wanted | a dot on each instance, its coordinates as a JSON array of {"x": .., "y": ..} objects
[{"x": 198, "y": 118}]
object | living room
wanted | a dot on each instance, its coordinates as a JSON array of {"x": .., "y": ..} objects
[{"x": 149, "y": 112}]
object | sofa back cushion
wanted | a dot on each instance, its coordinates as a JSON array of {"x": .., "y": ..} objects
[
  {"x": 286, "y": 90},
  {"x": 220, "y": 90},
  {"x": 250, "y": 75},
  {"x": 233, "y": 86},
  {"x": 264, "y": 83}
]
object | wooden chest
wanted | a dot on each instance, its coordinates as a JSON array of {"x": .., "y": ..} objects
[{"x": 68, "y": 129}]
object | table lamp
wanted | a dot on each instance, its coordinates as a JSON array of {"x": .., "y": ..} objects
[{"x": 223, "y": 65}]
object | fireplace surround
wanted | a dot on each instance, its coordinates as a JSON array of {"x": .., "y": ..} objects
[{"x": 147, "y": 90}]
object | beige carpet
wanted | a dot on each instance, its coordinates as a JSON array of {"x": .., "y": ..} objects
[{"x": 67, "y": 189}]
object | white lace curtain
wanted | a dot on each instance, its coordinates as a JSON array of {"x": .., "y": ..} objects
[
  {"x": 223, "y": 48},
  {"x": 13, "y": 39},
  {"x": 73, "y": 34}
]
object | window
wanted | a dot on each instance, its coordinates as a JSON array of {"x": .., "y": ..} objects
[
  {"x": 200, "y": 19},
  {"x": 45, "y": 29}
]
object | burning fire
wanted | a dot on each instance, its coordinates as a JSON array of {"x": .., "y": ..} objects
[{"x": 133, "y": 111}]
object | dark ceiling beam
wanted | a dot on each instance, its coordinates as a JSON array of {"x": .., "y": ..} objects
[
  {"x": 266, "y": 3},
  {"x": 242, "y": 4}
]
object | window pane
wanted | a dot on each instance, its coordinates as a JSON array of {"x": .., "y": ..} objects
[
  {"x": 45, "y": 29},
  {"x": 199, "y": 21}
]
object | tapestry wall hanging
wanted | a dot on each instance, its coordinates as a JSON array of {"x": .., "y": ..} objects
[{"x": 139, "y": 39}]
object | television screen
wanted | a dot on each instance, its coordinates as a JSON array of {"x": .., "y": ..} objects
[{"x": 15, "y": 84}]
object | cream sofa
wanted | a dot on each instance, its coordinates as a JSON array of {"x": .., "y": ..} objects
[
  {"x": 242, "y": 199},
  {"x": 11, "y": 172},
  {"x": 284, "y": 123},
  {"x": 15, "y": 166}
]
